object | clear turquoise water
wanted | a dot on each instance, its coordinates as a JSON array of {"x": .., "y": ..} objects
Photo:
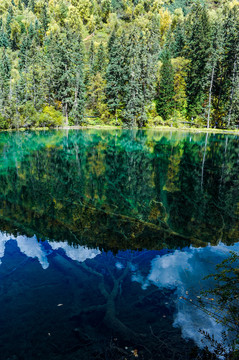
[{"x": 106, "y": 236}]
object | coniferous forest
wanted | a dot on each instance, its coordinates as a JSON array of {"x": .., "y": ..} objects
[{"x": 119, "y": 62}]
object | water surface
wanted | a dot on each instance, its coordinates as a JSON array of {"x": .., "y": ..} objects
[{"x": 105, "y": 238}]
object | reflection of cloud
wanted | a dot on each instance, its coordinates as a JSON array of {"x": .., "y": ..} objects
[
  {"x": 184, "y": 271},
  {"x": 28, "y": 246},
  {"x": 119, "y": 265},
  {"x": 34, "y": 249},
  {"x": 167, "y": 271},
  {"x": 3, "y": 239},
  {"x": 79, "y": 253}
]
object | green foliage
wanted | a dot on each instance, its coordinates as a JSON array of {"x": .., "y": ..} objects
[
  {"x": 224, "y": 294},
  {"x": 50, "y": 117},
  {"x": 198, "y": 51},
  {"x": 4, "y": 123},
  {"x": 226, "y": 291},
  {"x": 102, "y": 58},
  {"x": 165, "y": 96},
  {"x": 131, "y": 75}
]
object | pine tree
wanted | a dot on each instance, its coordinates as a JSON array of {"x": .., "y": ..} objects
[
  {"x": 198, "y": 51},
  {"x": 67, "y": 82},
  {"x": 177, "y": 47},
  {"x": 5, "y": 75},
  {"x": 3, "y": 39},
  {"x": 165, "y": 96},
  {"x": 133, "y": 92},
  {"x": 139, "y": 90},
  {"x": 230, "y": 61},
  {"x": 23, "y": 53},
  {"x": 100, "y": 60},
  {"x": 215, "y": 58},
  {"x": 44, "y": 17},
  {"x": 8, "y": 26},
  {"x": 78, "y": 107},
  {"x": 115, "y": 72}
]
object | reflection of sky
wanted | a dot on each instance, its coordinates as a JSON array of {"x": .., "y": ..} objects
[
  {"x": 34, "y": 249},
  {"x": 184, "y": 271}
]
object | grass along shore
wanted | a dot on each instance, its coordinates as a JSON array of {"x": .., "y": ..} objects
[{"x": 113, "y": 127}]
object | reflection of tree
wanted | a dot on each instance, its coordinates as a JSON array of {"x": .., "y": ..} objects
[
  {"x": 150, "y": 344},
  {"x": 126, "y": 188},
  {"x": 109, "y": 309},
  {"x": 221, "y": 302},
  {"x": 193, "y": 209}
]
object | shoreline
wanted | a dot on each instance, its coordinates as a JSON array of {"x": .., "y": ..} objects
[{"x": 113, "y": 127}]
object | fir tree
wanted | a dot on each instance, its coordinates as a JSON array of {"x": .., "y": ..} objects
[
  {"x": 3, "y": 39},
  {"x": 44, "y": 18},
  {"x": 178, "y": 45},
  {"x": 92, "y": 57},
  {"x": 8, "y": 26},
  {"x": 165, "y": 96},
  {"x": 100, "y": 61},
  {"x": 67, "y": 82},
  {"x": 198, "y": 51},
  {"x": 133, "y": 92},
  {"x": 215, "y": 58},
  {"x": 5, "y": 75},
  {"x": 115, "y": 72}
]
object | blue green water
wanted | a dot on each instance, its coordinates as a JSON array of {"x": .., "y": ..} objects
[{"x": 106, "y": 236}]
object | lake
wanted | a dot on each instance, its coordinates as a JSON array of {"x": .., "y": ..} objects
[{"x": 106, "y": 237}]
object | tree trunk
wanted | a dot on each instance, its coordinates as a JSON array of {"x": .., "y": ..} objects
[
  {"x": 67, "y": 121},
  {"x": 203, "y": 161}
]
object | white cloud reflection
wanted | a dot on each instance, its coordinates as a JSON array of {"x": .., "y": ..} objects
[
  {"x": 183, "y": 271},
  {"x": 32, "y": 248},
  {"x": 78, "y": 253}
]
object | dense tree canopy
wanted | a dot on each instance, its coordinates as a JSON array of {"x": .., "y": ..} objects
[{"x": 122, "y": 62}]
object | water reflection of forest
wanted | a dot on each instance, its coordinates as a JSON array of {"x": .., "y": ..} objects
[{"x": 120, "y": 189}]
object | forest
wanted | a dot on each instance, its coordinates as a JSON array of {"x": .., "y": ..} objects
[{"x": 119, "y": 62}]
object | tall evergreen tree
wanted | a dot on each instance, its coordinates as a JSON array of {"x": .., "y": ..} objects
[
  {"x": 215, "y": 58},
  {"x": 66, "y": 54},
  {"x": 178, "y": 44},
  {"x": 3, "y": 39},
  {"x": 8, "y": 25},
  {"x": 115, "y": 72},
  {"x": 5, "y": 75},
  {"x": 165, "y": 96},
  {"x": 198, "y": 51},
  {"x": 133, "y": 94},
  {"x": 100, "y": 60},
  {"x": 44, "y": 17}
]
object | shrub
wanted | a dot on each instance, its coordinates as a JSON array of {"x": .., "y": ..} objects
[
  {"x": 4, "y": 123},
  {"x": 157, "y": 121},
  {"x": 50, "y": 117}
]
